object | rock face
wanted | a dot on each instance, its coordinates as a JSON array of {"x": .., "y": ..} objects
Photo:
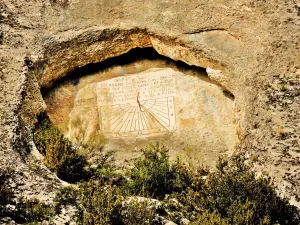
[
  {"x": 250, "y": 47},
  {"x": 179, "y": 107}
]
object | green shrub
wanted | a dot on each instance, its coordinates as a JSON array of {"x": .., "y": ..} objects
[
  {"x": 71, "y": 168},
  {"x": 32, "y": 211},
  {"x": 100, "y": 203},
  {"x": 51, "y": 143},
  {"x": 208, "y": 218},
  {"x": 6, "y": 194},
  {"x": 153, "y": 174},
  {"x": 21, "y": 210},
  {"x": 185, "y": 204},
  {"x": 230, "y": 195},
  {"x": 137, "y": 211},
  {"x": 66, "y": 196},
  {"x": 234, "y": 193},
  {"x": 60, "y": 156}
]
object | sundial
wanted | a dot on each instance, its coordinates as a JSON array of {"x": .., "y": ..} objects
[{"x": 137, "y": 105}]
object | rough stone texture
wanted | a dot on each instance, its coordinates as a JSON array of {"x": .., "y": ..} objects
[
  {"x": 180, "y": 107},
  {"x": 255, "y": 45}
]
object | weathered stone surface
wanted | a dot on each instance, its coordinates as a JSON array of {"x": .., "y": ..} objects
[
  {"x": 181, "y": 109},
  {"x": 252, "y": 43}
]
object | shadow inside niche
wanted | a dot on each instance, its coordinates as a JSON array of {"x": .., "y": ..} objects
[
  {"x": 199, "y": 107},
  {"x": 132, "y": 56}
]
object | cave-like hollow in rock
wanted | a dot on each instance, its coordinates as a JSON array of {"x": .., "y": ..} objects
[{"x": 141, "y": 97}]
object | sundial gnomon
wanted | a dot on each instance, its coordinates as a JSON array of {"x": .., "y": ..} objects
[{"x": 140, "y": 104}]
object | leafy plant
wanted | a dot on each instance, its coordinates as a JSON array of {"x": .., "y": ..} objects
[
  {"x": 153, "y": 174},
  {"x": 32, "y": 210},
  {"x": 137, "y": 211},
  {"x": 230, "y": 195},
  {"x": 72, "y": 168},
  {"x": 66, "y": 196},
  {"x": 6, "y": 194},
  {"x": 99, "y": 203},
  {"x": 210, "y": 218},
  {"x": 234, "y": 193},
  {"x": 20, "y": 210},
  {"x": 60, "y": 156}
]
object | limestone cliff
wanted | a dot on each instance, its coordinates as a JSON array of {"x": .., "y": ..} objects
[{"x": 253, "y": 46}]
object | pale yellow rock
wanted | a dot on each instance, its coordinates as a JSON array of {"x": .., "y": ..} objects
[{"x": 254, "y": 43}]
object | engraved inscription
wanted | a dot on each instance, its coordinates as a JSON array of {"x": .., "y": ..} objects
[{"x": 140, "y": 104}]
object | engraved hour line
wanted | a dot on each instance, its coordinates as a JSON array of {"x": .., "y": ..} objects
[
  {"x": 149, "y": 106},
  {"x": 120, "y": 109},
  {"x": 129, "y": 114},
  {"x": 150, "y": 122},
  {"x": 159, "y": 114},
  {"x": 116, "y": 114},
  {"x": 120, "y": 117},
  {"x": 164, "y": 105},
  {"x": 139, "y": 127},
  {"x": 161, "y": 125},
  {"x": 160, "y": 103},
  {"x": 153, "y": 124},
  {"x": 123, "y": 122},
  {"x": 144, "y": 118},
  {"x": 142, "y": 121},
  {"x": 159, "y": 106},
  {"x": 168, "y": 107},
  {"x": 155, "y": 119},
  {"x": 133, "y": 119},
  {"x": 159, "y": 111},
  {"x": 127, "y": 126}
]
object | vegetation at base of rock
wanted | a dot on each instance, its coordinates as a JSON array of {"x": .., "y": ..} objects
[
  {"x": 20, "y": 210},
  {"x": 60, "y": 156},
  {"x": 230, "y": 195},
  {"x": 210, "y": 218},
  {"x": 234, "y": 193},
  {"x": 154, "y": 176},
  {"x": 6, "y": 194},
  {"x": 102, "y": 204},
  {"x": 155, "y": 188}
]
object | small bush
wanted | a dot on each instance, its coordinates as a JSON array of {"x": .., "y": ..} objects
[
  {"x": 153, "y": 174},
  {"x": 60, "y": 155},
  {"x": 66, "y": 196},
  {"x": 20, "y": 210},
  {"x": 100, "y": 203},
  {"x": 32, "y": 211},
  {"x": 6, "y": 194},
  {"x": 137, "y": 211},
  {"x": 210, "y": 218},
  {"x": 71, "y": 168},
  {"x": 230, "y": 195},
  {"x": 234, "y": 193},
  {"x": 51, "y": 143}
]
